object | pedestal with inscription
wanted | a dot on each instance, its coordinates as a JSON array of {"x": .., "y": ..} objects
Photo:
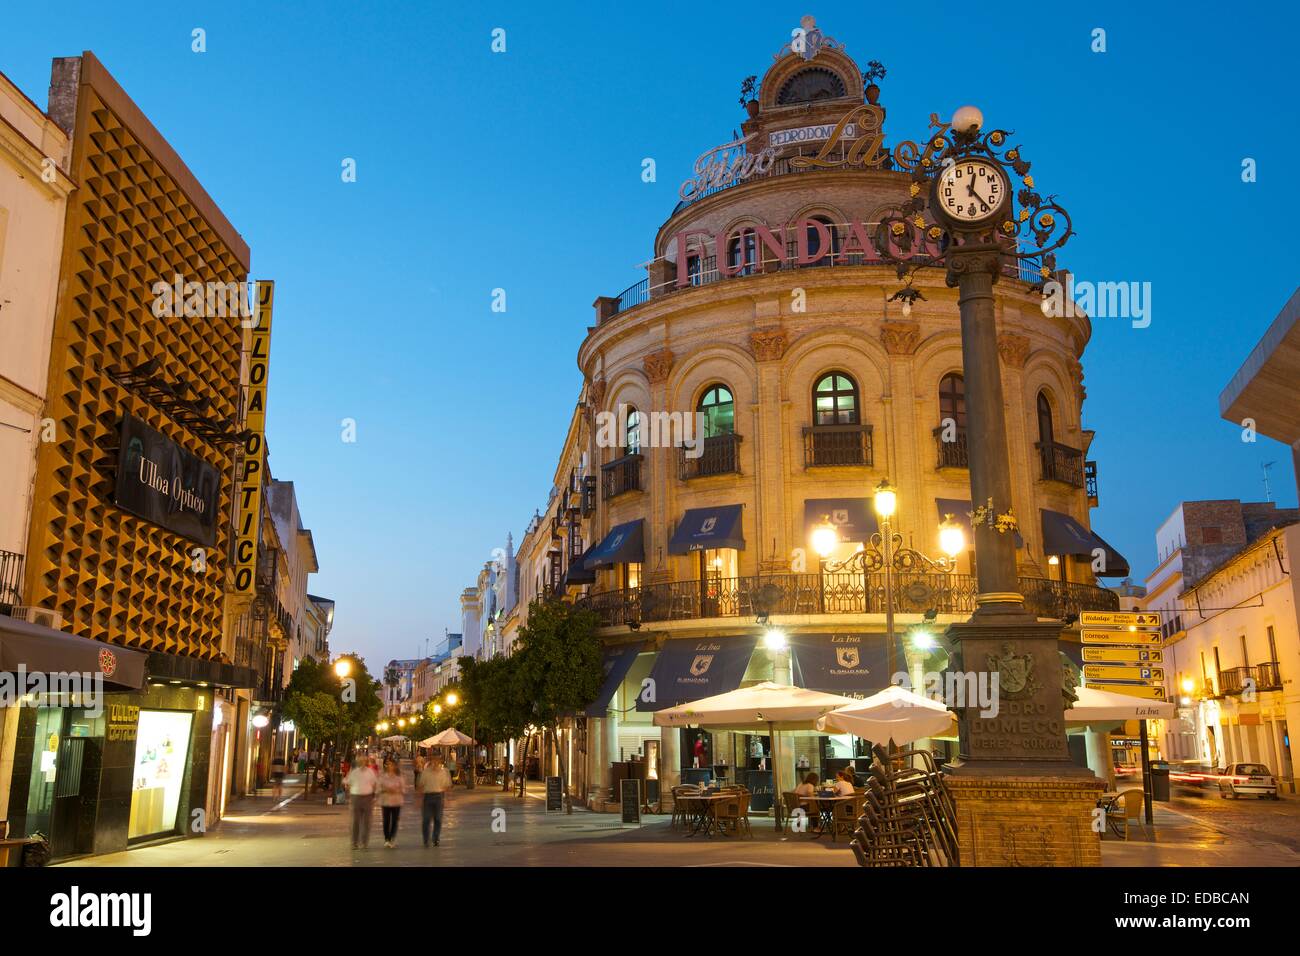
[{"x": 1021, "y": 800}]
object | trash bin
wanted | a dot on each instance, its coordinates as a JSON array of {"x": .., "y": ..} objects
[{"x": 1160, "y": 780}]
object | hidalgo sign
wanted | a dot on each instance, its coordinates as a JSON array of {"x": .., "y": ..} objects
[{"x": 162, "y": 483}]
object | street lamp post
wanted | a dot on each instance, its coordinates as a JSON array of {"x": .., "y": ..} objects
[{"x": 964, "y": 180}]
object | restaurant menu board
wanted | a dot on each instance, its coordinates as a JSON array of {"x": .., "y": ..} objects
[
  {"x": 630, "y": 794},
  {"x": 554, "y": 795}
]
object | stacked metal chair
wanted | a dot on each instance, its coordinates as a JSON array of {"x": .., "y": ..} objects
[{"x": 908, "y": 817}]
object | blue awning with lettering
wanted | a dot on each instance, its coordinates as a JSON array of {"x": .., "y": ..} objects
[
  {"x": 1062, "y": 535},
  {"x": 693, "y": 668},
  {"x": 960, "y": 511},
  {"x": 625, "y": 544},
  {"x": 853, "y": 518},
  {"x": 619, "y": 659},
  {"x": 703, "y": 528},
  {"x": 840, "y": 663}
]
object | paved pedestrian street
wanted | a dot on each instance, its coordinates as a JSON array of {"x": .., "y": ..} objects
[{"x": 300, "y": 830}]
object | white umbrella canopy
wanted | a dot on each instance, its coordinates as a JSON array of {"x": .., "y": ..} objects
[
  {"x": 392, "y": 738},
  {"x": 777, "y": 706},
  {"x": 1095, "y": 706},
  {"x": 451, "y": 737},
  {"x": 895, "y": 714}
]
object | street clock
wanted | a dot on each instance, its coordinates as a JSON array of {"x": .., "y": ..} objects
[{"x": 970, "y": 193}]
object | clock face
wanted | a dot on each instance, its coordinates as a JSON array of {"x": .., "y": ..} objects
[{"x": 971, "y": 191}]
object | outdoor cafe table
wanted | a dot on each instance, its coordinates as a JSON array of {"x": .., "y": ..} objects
[
  {"x": 702, "y": 809},
  {"x": 825, "y": 807}
]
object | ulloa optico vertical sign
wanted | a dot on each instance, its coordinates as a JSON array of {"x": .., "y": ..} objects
[{"x": 254, "y": 451}]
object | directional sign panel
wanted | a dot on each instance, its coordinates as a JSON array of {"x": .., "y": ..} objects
[
  {"x": 1119, "y": 619},
  {"x": 1122, "y": 672},
  {"x": 1123, "y": 655},
  {"x": 1148, "y": 691},
  {"x": 1121, "y": 637}
]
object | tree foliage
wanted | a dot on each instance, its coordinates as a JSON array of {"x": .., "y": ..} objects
[{"x": 327, "y": 708}]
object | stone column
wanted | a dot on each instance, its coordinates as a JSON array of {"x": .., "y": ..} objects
[
  {"x": 895, "y": 450},
  {"x": 1097, "y": 743},
  {"x": 670, "y": 762},
  {"x": 659, "y": 477},
  {"x": 768, "y": 436}
]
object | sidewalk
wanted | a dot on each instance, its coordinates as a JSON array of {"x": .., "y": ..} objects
[{"x": 1176, "y": 839}]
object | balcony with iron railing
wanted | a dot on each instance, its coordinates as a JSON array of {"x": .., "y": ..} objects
[
  {"x": 1237, "y": 680},
  {"x": 1060, "y": 463},
  {"x": 830, "y": 593},
  {"x": 11, "y": 580},
  {"x": 1267, "y": 676},
  {"x": 953, "y": 453},
  {"x": 719, "y": 455},
  {"x": 621, "y": 476},
  {"x": 831, "y": 445}
]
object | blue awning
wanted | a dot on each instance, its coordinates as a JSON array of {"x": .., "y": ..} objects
[
  {"x": 960, "y": 510},
  {"x": 693, "y": 668},
  {"x": 1062, "y": 535},
  {"x": 625, "y": 544},
  {"x": 840, "y": 663},
  {"x": 702, "y": 528},
  {"x": 618, "y": 661},
  {"x": 853, "y": 517}
]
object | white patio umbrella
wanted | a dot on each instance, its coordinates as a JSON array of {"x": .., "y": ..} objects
[
  {"x": 776, "y": 706},
  {"x": 451, "y": 737},
  {"x": 393, "y": 738},
  {"x": 895, "y": 714},
  {"x": 1098, "y": 706}
]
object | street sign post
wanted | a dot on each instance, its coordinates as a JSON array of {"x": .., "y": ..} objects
[
  {"x": 1119, "y": 619},
  {"x": 1123, "y": 655}
]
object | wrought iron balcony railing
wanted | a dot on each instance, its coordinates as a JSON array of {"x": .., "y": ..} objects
[
  {"x": 11, "y": 579},
  {"x": 719, "y": 456},
  {"x": 1236, "y": 680},
  {"x": 952, "y": 454},
  {"x": 829, "y": 445},
  {"x": 620, "y": 476},
  {"x": 1061, "y": 463},
  {"x": 839, "y": 593},
  {"x": 1267, "y": 676}
]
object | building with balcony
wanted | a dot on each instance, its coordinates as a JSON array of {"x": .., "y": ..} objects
[
  {"x": 1227, "y": 601},
  {"x": 763, "y": 378}
]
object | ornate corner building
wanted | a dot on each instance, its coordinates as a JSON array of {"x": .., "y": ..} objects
[{"x": 772, "y": 337}]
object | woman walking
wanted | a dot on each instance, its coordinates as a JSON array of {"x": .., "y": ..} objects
[{"x": 391, "y": 789}]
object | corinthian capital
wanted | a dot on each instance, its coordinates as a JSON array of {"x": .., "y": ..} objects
[
  {"x": 658, "y": 365},
  {"x": 1013, "y": 348},
  {"x": 768, "y": 345},
  {"x": 900, "y": 338}
]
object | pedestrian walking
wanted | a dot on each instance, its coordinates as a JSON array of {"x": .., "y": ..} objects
[
  {"x": 277, "y": 777},
  {"x": 391, "y": 789},
  {"x": 362, "y": 784},
  {"x": 435, "y": 781}
]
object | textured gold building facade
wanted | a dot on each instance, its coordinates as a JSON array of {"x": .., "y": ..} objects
[{"x": 138, "y": 217}]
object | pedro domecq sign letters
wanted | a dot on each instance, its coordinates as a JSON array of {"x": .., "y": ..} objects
[{"x": 162, "y": 483}]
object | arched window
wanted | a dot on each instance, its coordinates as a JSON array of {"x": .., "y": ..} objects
[
  {"x": 719, "y": 411},
  {"x": 835, "y": 400},
  {"x": 742, "y": 253},
  {"x": 815, "y": 241},
  {"x": 952, "y": 399},
  {"x": 632, "y": 443},
  {"x": 1045, "y": 434}
]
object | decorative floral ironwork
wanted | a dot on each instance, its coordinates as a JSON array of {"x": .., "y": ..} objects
[{"x": 986, "y": 514}]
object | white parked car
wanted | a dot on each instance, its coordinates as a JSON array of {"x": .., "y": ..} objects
[{"x": 1251, "y": 779}]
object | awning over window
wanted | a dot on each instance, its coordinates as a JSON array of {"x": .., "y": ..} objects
[
  {"x": 840, "y": 663},
  {"x": 702, "y": 528},
  {"x": 960, "y": 511},
  {"x": 44, "y": 650},
  {"x": 625, "y": 544},
  {"x": 578, "y": 573},
  {"x": 1062, "y": 535},
  {"x": 619, "y": 659},
  {"x": 853, "y": 517},
  {"x": 689, "y": 669}
]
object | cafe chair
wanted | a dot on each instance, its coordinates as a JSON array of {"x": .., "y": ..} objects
[
  {"x": 681, "y": 808},
  {"x": 789, "y": 803}
]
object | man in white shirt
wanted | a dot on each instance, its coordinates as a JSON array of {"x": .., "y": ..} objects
[
  {"x": 434, "y": 783},
  {"x": 362, "y": 783}
]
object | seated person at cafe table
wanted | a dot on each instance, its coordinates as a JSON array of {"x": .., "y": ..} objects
[
  {"x": 808, "y": 787},
  {"x": 843, "y": 786}
]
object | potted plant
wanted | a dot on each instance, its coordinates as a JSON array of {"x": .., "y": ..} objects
[
  {"x": 875, "y": 71},
  {"x": 749, "y": 95}
]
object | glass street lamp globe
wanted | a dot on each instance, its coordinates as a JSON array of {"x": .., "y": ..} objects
[
  {"x": 967, "y": 119},
  {"x": 886, "y": 499},
  {"x": 437, "y": 708},
  {"x": 342, "y": 667},
  {"x": 825, "y": 537},
  {"x": 774, "y": 639},
  {"x": 952, "y": 537},
  {"x": 1189, "y": 685},
  {"x": 923, "y": 641},
  {"x": 452, "y": 700}
]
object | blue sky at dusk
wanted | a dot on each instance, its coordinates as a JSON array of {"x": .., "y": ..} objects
[{"x": 522, "y": 171}]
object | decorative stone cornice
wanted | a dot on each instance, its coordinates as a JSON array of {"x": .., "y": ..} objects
[
  {"x": 1014, "y": 349},
  {"x": 658, "y": 365},
  {"x": 900, "y": 338},
  {"x": 768, "y": 345},
  {"x": 1076, "y": 374}
]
